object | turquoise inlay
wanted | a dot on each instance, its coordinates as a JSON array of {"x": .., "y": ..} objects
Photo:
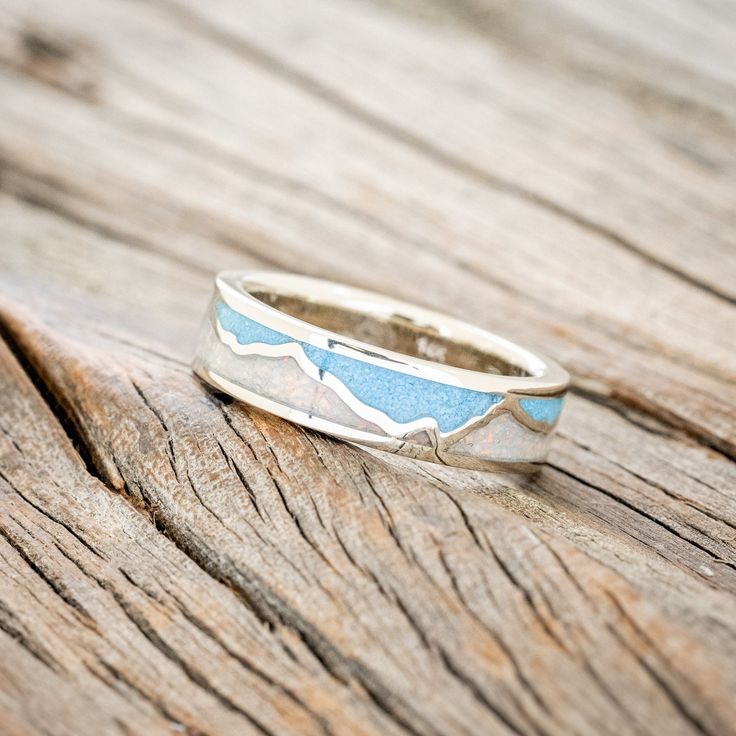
[
  {"x": 542, "y": 410},
  {"x": 402, "y": 397},
  {"x": 247, "y": 330}
]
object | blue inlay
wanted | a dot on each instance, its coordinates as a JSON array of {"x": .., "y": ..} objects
[
  {"x": 402, "y": 397},
  {"x": 247, "y": 330},
  {"x": 542, "y": 410}
]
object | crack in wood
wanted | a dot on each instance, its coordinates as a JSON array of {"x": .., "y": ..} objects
[{"x": 671, "y": 528}]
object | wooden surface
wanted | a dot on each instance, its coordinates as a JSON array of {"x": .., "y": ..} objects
[{"x": 171, "y": 562}]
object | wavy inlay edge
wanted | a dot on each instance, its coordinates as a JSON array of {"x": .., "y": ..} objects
[{"x": 396, "y": 401}]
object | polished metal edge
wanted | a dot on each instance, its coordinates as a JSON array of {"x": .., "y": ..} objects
[{"x": 548, "y": 377}]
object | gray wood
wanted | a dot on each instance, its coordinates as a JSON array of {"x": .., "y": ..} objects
[{"x": 172, "y": 561}]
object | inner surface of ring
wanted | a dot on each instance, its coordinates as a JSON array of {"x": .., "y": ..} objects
[{"x": 392, "y": 332}]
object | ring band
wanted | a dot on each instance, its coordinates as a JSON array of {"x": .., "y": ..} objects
[{"x": 376, "y": 371}]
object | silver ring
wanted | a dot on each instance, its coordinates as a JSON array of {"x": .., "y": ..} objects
[{"x": 376, "y": 371}]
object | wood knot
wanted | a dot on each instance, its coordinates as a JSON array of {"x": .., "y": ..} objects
[
  {"x": 69, "y": 64},
  {"x": 45, "y": 49}
]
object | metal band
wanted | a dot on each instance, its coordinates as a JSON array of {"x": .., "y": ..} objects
[{"x": 373, "y": 370}]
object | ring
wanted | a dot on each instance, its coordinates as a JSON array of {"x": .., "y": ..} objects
[{"x": 372, "y": 370}]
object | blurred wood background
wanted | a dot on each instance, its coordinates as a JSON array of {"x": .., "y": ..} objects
[{"x": 561, "y": 172}]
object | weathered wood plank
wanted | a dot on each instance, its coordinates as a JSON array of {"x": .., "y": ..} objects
[
  {"x": 488, "y": 645},
  {"x": 518, "y": 627},
  {"x": 578, "y": 140},
  {"x": 562, "y": 174},
  {"x": 106, "y": 627},
  {"x": 94, "y": 306}
]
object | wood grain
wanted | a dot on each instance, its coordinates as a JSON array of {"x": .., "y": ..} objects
[{"x": 173, "y": 562}]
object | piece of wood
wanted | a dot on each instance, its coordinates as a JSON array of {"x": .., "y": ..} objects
[
  {"x": 173, "y": 562},
  {"x": 227, "y": 180},
  {"x": 101, "y": 609}
]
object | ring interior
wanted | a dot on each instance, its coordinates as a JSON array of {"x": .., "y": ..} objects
[{"x": 390, "y": 330}]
